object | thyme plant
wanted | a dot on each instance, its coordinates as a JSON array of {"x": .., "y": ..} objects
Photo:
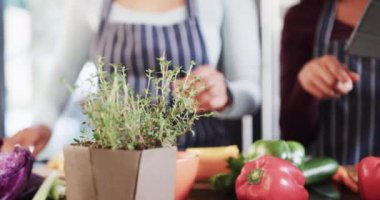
[{"x": 119, "y": 118}]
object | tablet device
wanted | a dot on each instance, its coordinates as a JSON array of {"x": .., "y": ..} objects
[{"x": 365, "y": 39}]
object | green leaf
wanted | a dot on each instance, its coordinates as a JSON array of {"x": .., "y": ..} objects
[
  {"x": 236, "y": 164},
  {"x": 122, "y": 119}
]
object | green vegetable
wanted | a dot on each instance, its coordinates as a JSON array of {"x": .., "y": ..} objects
[
  {"x": 236, "y": 164},
  {"x": 222, "y": 181},
  {"x": 52, "y": 188},
  {"x": 226, "y": 181},
  {"x": 58, "y": 191},
  {"x": 319, "y": 169},
  {"x": 287, "y": 150},
  {"x": 326, "y": 190},
  {"x": 292, "y": 151}
]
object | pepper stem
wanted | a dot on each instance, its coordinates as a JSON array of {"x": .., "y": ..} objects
[{"x": 255, "y": 176}]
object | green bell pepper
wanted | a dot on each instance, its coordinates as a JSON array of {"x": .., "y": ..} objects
[{"x": 287, "y": 150}]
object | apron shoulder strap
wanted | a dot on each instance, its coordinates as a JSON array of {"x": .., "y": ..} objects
[
  {"x": 106, "y": 9},
  {"x": 192, "y": 8},
  {"x": 325, "y": 27}
]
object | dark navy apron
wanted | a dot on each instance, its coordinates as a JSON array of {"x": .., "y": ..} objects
[
  {"x": 350, "y": 125},
  {"x": 137, "y": 46}
]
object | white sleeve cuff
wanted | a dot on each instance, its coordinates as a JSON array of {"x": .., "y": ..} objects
[{"x": 246, "y": 98}]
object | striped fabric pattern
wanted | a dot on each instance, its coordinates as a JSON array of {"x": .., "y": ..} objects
[
  {"x": 350, "y": 125},
  {"x": 137, "y": 46}
]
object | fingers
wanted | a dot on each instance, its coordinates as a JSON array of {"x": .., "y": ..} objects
[
  {"x": 354, "y": 76},
  {"x": 208, "y": 76},
  {"x": 326, "y": 78},
  {"x": 213, "y": 99},
  {"x": 343, "y": 75},
  {"x": 322, "y": 90},
  {"x": 43, "y": 134},
  {"x": 199, "y": 79},
  {"x": 38, "y": 148},
  {"x": 210, "y": 87},
  {"x": 317, "y": 81},
  {"x": 335, "y": 68},
  {"x": 214, "y": 96},
  {"x": 36, "y": 137},
  {"x": 7, "y": 145},
  {"x": 324, "y": 81}
]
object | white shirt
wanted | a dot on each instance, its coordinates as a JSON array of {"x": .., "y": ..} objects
[{"x": 230, "y": 32}]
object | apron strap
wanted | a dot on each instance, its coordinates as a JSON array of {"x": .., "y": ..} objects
[
  {"x": 106, "y": 10},
  {"x": 191, "y": 8},
  {"x": 324, "y": 28}
]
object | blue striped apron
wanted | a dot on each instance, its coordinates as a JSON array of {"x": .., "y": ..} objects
[
  {"x": 137, "y": 46},
  {"x": 350, "y": 125}
]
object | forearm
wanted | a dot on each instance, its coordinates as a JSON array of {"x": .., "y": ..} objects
[
  {"x": 241, "y": 58},
  {"x": 245, "y": 99},
  {"x": 299, "y": 115}
]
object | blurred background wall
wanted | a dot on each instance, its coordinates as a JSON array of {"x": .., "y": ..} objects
[
  {"x": 271, "y": 17},
  {"x": 31, "y": 32}
]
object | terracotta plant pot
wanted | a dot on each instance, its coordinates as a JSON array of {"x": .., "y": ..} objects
[
  {"x": 103, "y": 174},
  {"x": 186, "y": 171}
]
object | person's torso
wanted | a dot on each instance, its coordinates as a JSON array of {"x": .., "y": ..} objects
[
  {"x": 139, "y": 45},
  {"x": 350, "y": 125},
  {"x": 211, "y": 14}
]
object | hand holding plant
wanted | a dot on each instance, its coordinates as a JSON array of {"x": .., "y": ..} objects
[
  {"x": 210, "y": 87},
  {"x": 119, "y": 118}
]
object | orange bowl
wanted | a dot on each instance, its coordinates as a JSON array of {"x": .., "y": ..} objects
[
  {"x": 212, "y": 160},
  {"x": 186, "y": 171}
]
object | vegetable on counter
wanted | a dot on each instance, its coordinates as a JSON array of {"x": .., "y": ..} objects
[
  {"x": 270, "y": 177},
  {"x": 347, "y": 175},
  {"x": 15, "y": 169},
  {"x": 287, "y": 150},
  {"x": 226, "y": 181},
  {"x": 214, "y": 160},
  {"x": 318, "y": 170},
  {"x": 369, "y": 178},
  {"x": 325, "y": 190},
  {"x": 52, "y": 188},
  {"x": 315, "y": 171},
  {"x": 223, "y": 182}
]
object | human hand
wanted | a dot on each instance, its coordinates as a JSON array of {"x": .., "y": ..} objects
[
  {"x": 36, "y": 137},
  {"x": 325, "y": 78},
  {"x": 211, "y": 89}
]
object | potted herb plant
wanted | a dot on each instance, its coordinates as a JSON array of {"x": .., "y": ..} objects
[{"x": 129, "y": 148}]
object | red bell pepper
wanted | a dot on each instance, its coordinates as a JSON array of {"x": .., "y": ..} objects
[
  {"x": 270, "y": 177},
  {"x": 369, "y": 178}
]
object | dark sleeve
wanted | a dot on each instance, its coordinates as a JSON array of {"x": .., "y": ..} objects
[
  {"x": 299, "y": 114},
  {"x": 1, "y": 142}
]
